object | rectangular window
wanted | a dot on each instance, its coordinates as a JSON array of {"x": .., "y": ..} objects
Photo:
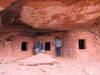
[
  {"x": 24, "y": 46},
  {"x": 81, "y": 44},
  {"x": 47, "y": 46}
]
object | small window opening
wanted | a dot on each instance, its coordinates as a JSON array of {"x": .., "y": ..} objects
[
  {"x": 24, "y": 46},
  {"x": 47, "y": 46},
  {"x": 81, "y": 44}
]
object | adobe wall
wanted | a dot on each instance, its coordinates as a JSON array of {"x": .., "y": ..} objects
[
  {"x": 71, "y": 47},
  {"x": 13, "y": 47}
]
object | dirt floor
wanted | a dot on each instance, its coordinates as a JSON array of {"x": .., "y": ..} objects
[{"x": 44, "y": 64}]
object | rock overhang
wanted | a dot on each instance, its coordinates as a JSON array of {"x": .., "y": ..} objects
[{"x": 58, "y": 15}]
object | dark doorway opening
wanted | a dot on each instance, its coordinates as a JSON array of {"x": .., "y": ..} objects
[
  {"x": 47, "y": 46},
  {"x": 24, "y": 46},
  {"x": 81, "y": 44}
]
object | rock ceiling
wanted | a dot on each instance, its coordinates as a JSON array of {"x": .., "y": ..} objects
[{"x": 57, "y": 14}]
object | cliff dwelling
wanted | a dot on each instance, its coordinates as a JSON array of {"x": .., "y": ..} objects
[{"x": 76, "y": 22}]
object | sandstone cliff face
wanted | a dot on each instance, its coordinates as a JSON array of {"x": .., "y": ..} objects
[
  {"x": 53, "y": 15},
  {"x": 44, "y": 19},
  {"x": 58, "y": 14}
]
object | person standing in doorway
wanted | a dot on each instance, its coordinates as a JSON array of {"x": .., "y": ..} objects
[{"x": 58, "y": 45}]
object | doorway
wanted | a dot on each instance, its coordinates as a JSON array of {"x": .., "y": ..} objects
[
  {"x": 81, "y": 44},
  {"x": 47, "y": 46},
  {"x": 24, "y": 46}
]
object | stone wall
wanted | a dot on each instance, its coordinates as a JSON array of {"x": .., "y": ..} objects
[
  {"x": 13, "y": 47},
  {"x": 70, "y": 47},
  {"x": 92, "y": 45},
  {"x": 50, "y": 38}
]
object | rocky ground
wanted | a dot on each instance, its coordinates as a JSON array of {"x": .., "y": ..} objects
[{"x": 44, "y": 64}]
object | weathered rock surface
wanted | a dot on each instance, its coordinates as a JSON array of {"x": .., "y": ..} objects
[
  {"x": 65, "y": 67},
  {"x": 40, "y": 59},
  {"x": 57, "y": 14}
]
